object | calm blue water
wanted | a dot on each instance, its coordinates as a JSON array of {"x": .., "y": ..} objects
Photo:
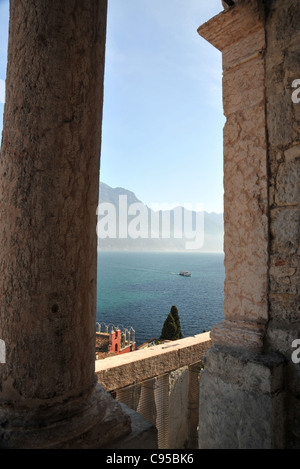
[{"x": 138, "y": 290}]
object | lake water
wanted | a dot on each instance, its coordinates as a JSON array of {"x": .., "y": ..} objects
[{"x": 138, "y": 290}]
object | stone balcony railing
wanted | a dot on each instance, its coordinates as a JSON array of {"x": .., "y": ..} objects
[{"x": 162, "y": 384}]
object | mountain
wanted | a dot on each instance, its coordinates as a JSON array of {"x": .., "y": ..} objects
[
  {"x": 110, "y": 195},
  {"x": 126, "y": 223}
]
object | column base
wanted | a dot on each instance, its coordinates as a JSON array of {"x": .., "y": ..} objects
[
  {"x": 89, "y": 421},
  {"x": 241, "y": 400}
]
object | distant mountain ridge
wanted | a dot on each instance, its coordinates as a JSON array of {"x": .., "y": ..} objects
[
  {"x": 213, "y": 227},
  {"x": 108, "y": 194}
]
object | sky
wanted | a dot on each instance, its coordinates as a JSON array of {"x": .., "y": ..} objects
[{"x": 162, "y": 130}]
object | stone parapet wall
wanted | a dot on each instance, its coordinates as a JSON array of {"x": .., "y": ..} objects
[
  {"x": 123, "y": 370},
  {"x": 162, "y": 384}
]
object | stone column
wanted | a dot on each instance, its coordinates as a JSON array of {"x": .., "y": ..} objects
[
  {"x": 193, "y": 406},
  {"x": 162, "y": 410},
  {"x": 146, "y": 406},
  {"x": 240, "y": 34},
  {"x": 49, "y": 173},
  {"x": 241, "y": 388},
  {"x": 283, "y": 122}
]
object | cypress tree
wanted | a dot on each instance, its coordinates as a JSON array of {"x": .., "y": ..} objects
[
  {"x": 171, "y": 328},
  {"x": 175, "y": 314}
]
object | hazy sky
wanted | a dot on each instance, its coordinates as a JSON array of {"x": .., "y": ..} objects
[{"x": 163, "y": 118}]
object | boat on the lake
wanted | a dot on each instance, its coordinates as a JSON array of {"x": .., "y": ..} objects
[{"x": 185, "y": 273}]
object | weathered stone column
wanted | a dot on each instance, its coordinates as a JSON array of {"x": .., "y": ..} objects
[
  {"x": 146, "y": 406},
  {"x": 193, "y": 406},
  {"x": 49, "y": 173},
  {"x": 241, "y": 388},
  {"x": 283, "y": 123},
  {"x": 240, "y": 34},
  {"x": 162, "y": 410}
]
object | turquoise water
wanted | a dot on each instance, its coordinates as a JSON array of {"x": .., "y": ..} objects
[{"x": 138, "y": 290}]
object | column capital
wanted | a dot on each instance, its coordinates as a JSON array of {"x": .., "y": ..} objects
[{"x": 232, "y": 25}]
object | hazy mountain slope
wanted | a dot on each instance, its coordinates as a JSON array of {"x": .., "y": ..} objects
[{"x": 213, "y": 226}]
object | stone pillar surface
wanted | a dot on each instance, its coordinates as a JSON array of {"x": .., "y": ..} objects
[
  {"x": 241, "y": 400},
  {"x": 283, "y": 122},
  {"x": 239, "y": 33},
  {"x": 146, "y": 406},
  {"x": 179, "y": 407},
  {"x": 193, "y": 406},
  {"x": 242, "y": 388},
  {"x": 49, "y": 173},
  {"x": 162, "y": 410}
]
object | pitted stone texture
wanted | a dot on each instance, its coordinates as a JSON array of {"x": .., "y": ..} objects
[
  {"x": 245, "y": 216},
  {"x": 240, "y": 34},
  {"x": 91, "y": 420},
  {"x": 241, "y": 401},
  {"x": 178, "y": 407},
  {"x": 282, "y": 68},
  {"x": 241, "y": 334},
  {"x": 49, "y": 182},
  {"x": 288, "y": 183},
  {"x": 280, "y": 118},
  {"x": 282, "y": 57},
  {"x": 285, "y": 229},
  {"x": 247, "y": 81},
  {"x": 262, "y": 272}
]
